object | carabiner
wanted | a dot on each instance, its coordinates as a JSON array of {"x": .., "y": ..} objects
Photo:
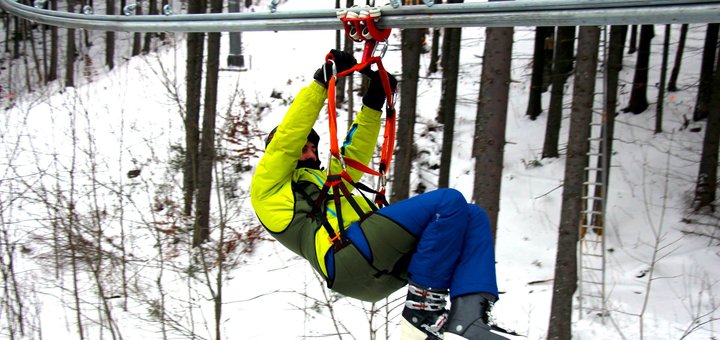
[
  {"x": 334, "y": 69},
  {"x": 342, "y": 163},
  {"x": 394, "y": 100},
  {"x": 382, "y": 182},
  {"x": 382, "y": 52}
]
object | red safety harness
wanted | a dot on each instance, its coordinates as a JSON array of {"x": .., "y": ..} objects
[{"x": 359, "y": 27}]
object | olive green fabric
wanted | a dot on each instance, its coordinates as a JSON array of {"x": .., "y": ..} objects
[{"x": 375, "y": 278}]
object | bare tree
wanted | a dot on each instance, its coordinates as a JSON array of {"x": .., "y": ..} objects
[
  {"x": 411, "y": 46},
  {"x": 565, "y": 282},
  {"x": 70, "y": 51},
  {"x": 534, "y": 108},
  {"x": 435, "y": 50},
  {"x": 633, "y": 44},
  {"x": 206, "y": 158},
  {"x": 110, "y": 37},
  {"x": 663, "y": 78},
  {"x": 13, "y": 303},
  {"x": 448, "y": 99},
  {"x": 152, "y": 10},
  {"x": 562, "y": 67},
  {"x": 618, "y": 34},
  {"x": 638, "y": 96},
  {"x": 52, "y": 73},
  {"x": 193, "y": 80},
  {"x": 672, "y": 83},
  {"x": 137, "y": 36},
  {"x": 706, "y": 184},
  {"x": 491, "y": 117},
  {"x": 704, "y": 96}
]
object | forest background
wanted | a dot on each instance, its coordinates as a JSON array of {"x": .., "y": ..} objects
[{"x": 110, "y": 229}]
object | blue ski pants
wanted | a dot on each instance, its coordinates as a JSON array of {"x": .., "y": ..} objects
[{"x": 455, "y": 248}]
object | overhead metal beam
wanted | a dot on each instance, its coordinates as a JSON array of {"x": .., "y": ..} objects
[{"x": 486, "y": 14}]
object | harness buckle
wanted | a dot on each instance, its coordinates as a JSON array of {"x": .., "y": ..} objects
[
  {"x": 334, "y": 239},
  {"x": 338, "y": 242}
]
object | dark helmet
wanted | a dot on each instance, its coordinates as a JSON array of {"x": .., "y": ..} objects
[{"x": 312, "y": 137}]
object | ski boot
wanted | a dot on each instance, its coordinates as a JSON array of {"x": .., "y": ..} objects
[
  {"x": 470, "y": 319},
  {"x": 424, "y": 315}
]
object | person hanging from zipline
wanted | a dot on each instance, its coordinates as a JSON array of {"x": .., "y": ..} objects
[{"x": 436, "y": 243}]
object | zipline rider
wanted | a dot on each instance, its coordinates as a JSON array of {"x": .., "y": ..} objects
[{"x": 437, "y": 242}]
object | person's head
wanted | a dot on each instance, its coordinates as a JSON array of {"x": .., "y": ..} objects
[{"x": 309, "y": 157}]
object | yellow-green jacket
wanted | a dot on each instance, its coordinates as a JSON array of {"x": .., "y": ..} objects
[{"x": 276, "y": 182}]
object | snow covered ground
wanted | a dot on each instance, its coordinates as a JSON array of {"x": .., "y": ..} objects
[{"x": 662, "y": 278}]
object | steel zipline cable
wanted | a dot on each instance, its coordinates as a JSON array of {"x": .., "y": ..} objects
[{"x": 485, "y": 14}]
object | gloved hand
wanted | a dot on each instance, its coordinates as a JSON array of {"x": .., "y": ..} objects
[
  {"x": 374, "y": 98},
  {"x": 343, "y": 61}
]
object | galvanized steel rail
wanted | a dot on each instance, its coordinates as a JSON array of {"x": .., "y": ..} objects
[{"x": 486, "y": 14}]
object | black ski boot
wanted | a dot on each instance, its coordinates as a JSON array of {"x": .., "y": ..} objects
[
  {"x": 424, "y": 315},
  {"x": 470, "y": 319}
]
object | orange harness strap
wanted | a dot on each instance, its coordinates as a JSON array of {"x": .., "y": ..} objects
[{"x": 359, "y": 27}]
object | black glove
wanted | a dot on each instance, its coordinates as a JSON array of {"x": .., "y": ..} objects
[
  {"x": 374, "y": 98},
  {"x": 343, "y": 61}
]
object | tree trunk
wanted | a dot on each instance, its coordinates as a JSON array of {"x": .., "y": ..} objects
[
  {"x": 618, "y": 35},
  {"x": 638, "y": 96},
  {"x": 706, "y": 73},
  {"x": 707, "y": 174},
  {"x": 534, "y": 108},
  {"x": 16, "y": 38},
  {"x": 565, "y": 283},
  {"x": 45, "y": 56},
  {"x": 435, "y": 48},
  {"x": 54, "y": 48},
  {"x": 8, "y": 32},
  {"x": 489, "y": 141},
  {"x": 201, "y": 232},
  {"x": 193, "y": 80},
  {"x": 434, "y": 51},
  {"x": 562, "y": 66},
  {"x": 549, "y": 52},
  {"x": 672, "y": 84},
  {"x": 633, "y": 39},
  {"x": 27, "y": 35},
  {"x": 137, "y": 36},
  {"x": 411, "y": 39},
  {"x": 152, "y": 10},
  {"x": 663, "y": 77},
  {"x": 110, "y": 37},
  {"x": 448, "y": 99},
  {"x": 70, "y": 51},
  {"x": 445, "y": 52}
]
